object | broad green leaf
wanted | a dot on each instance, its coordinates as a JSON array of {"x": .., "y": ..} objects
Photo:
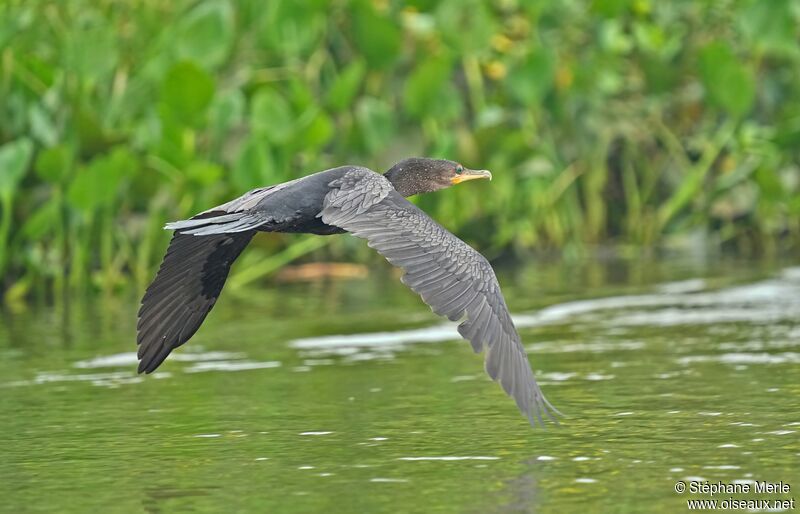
[
  {"x": 300, "y": 96},
  {"x": 253, "y": 167},
  {"x": 769, "y": 184},
  {"x": 376, "y": 123},
  {"x": 728, "y": 81},
  {"x": 610, "y": 8},
  {"x": 661, "y": 76},
  {"x": 42, "y": 126},
  {"x": 346, "y": 86},
  {"x": 203, "y": 173},
  {"x": 42, "y": 221},
  {"x": 772, "y": 25},
  {"x": 175, "y": 143},
  {"x": 91, "y": 47},
  {"x": 425, "y": 87},
  {"x": 532, "y": 79},
  {"x": 465, "y": 25},
  {"x": 14, "y": 158},
  {"x": 292, "y": 28},
  {"x": 187, "y": 92},
  {"x": 227, "y": 111},
  {"x": 53, "y": 164},
  {"x": 88, "y": 129},
  {"x": 39, "y": 70},
  {"x": 377, "y": 37},
  {"x": 205, "y": 34},
  {"x": 317, "y": 132},
  {"x": 271, "y": 116},
  {"x": 614, "y": 38},
  {"x": 97, "y": 184}
]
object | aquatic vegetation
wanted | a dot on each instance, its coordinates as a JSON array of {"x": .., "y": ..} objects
[{"x": 636, "y": 122}]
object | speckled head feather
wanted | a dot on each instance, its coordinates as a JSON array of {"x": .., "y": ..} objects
[{"x": 423, "y": 175}]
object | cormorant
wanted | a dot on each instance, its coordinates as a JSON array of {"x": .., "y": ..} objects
[{"x": 451, "y": 277}]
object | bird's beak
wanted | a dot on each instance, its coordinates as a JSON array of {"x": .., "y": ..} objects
[{"x": 468, "y": 174}]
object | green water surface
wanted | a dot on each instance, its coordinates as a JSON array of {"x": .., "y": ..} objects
[{"x": 681, "y": 370}]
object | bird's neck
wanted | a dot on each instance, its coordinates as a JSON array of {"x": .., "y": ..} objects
[{"x": 403, "y": 182}]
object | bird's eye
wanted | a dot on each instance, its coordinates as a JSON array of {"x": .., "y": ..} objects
[{"x": 459, "y": 169}]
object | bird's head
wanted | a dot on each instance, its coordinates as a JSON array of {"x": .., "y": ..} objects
[{"x": 422, "y": 175}]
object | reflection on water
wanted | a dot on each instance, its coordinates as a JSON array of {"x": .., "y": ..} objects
[{"x": 351, "y": 397}]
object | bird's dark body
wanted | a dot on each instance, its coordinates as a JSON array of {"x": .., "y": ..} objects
[
  {"x": 293, "y": 207},
  {"x": 450, "y": 276}
]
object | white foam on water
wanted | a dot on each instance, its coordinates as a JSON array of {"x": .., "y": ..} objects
[
  {"x": 674, "y": 303},
  {"x": 231, "y": 366},
  {"x": 744, "y": 358},
  {"x": 109, "y": 379},
  {"x": 449, "y": 458},
  {"x": 126, "y": 359},
  {"x": 692, "y": 285}
]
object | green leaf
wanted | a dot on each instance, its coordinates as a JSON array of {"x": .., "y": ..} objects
[
  {"x": 465, "y": 25},
  {"x": 301, "y": 97},
  {"x": 317, "y": 132},
  {"x": 45, "y": 71},
  {"x": 91, "y": 47},
  {"x": 271, "y": 116},
  {"x": 292, "y": 28},
  {"x": 205, "y": 34},
  {"x": 376, "y": 122},
  {"x": 42, "y": 221},
  {"x": 42, "y": 126},
  {"x": 97, "y": 184},
  {"x": 614, "y": 38},
  {"x": 532, "y": 79},
  {"x": 53, "y": 164},
  {"x": 769, "y": 184},
  {"x": 14, "y": 158},
  {"x": 611, "y": 8},
  {"x": 728, "y": 82},
  {"x": 772, "y": 26},
  {"x": 227, "y": 111},
  {"x": 425, "y": 88},
  {"x": 378, "y": 38},
  {"x": 254, "y": 166},
  {"x": 203, "y": 173},
  {"x": 187, "y": 92},
  {"x": 346, "y": 86}
]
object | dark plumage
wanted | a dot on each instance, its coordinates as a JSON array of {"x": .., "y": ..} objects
[{"x": 451, "y": 277}]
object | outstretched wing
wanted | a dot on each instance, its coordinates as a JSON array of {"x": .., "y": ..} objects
[
  {"x": 184, "y": 291},
  {"x": 193, "y": 273},
  {"x": 451, "y": 277}
]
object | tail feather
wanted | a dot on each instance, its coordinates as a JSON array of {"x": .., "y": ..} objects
[
  {"x": 200, "y": 222},
  {"x": 209, "y": 224}
]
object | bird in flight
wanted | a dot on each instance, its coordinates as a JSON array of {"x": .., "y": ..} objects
[{"x": 452, "y": 278}]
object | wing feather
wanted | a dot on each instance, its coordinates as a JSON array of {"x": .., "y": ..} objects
[
  {"x": 185, "y": 289},
  {"x": 451, "y": 277}
]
